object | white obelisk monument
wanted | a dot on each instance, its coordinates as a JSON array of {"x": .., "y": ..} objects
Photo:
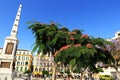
[{"x": 7, "y": 58}]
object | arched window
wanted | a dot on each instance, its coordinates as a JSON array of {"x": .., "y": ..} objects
[{"x": 26, "y": 63}]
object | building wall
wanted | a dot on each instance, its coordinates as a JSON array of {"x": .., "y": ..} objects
[
  {"x": 23, "y": 61},
  {"x": 42, "y": 62},
  {"x": 45, "y": 62},
  {"x": 1, "y": 50}
]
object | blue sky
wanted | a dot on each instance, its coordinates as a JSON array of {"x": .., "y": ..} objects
[{"x": 98, "y": 18}]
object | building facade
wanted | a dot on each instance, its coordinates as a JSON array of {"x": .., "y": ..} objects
[
  {"x": 1, "y": 50},
  {"x": 46, "y": 63},
  {"x": 42, "y": 63},
  {"x": 24, "y": 60}
]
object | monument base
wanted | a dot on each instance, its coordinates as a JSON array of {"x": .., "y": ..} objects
[{"x": 6, "y": 76}]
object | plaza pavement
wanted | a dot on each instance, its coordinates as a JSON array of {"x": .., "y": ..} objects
[{"x": 40, "y": 79}]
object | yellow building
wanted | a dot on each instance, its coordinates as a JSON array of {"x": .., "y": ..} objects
[
  {"x": 24, "y": 60},
  {"x": 46, "y": 63}
]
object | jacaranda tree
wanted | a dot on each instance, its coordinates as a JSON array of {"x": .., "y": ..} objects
[
  {"x": 115, "y": 52},
  {"x": 78, "y": 50}
]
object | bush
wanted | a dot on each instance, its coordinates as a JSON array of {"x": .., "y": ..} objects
[
  {"x": 106, "y": 77},
  {"x": 44, "y": 72},
  {"x": 27, "y": 72}
]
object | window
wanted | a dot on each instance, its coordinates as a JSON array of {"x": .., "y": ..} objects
[
  {"x": 17, "y": 19},
  {"x": 19, "y": 52},
  {"x": 22, "y": 63},
  {"x": 19, "y": 58},
  {"x": 118, "y": 34},
  {"x": 36, "y": 69},
  {"x": 22, "y": 58},
  {"x": 51, "y": 64},
  {"x": 21, "y": 68},
  {"x": 16, "y": 24},
  {"x": 16, "y": 68},
  {"x": 26, "y": 63},
  {"x": 23, "y": 52},
  {"x": 44, "y": 64},
  {"x": 25, "y": 68},
  {"x": 50, "y": 69},
  {"x": 40, "y": 64},
  {"x": 18, "y": 63},
  {"x": 40, "y": 69}
]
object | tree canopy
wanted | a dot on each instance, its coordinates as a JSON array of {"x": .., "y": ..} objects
[{"x": 70, "y": 47}]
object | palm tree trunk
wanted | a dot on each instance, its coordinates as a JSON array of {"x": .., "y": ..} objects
[{"x": 54, "y": 72}]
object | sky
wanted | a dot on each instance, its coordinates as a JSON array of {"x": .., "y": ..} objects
[{"x": 98, "y": 18}]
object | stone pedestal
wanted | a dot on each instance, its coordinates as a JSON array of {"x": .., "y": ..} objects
[{"x": 6, "y": 74}]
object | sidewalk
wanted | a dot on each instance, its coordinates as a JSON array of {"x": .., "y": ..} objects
[
  {"x": 40, "y": 79},
  {"x": 18, "y": 79}
]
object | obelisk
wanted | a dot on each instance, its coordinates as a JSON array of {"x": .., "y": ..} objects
[{"x": 7, "y": 58}]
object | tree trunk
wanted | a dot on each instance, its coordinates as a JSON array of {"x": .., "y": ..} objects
[
  {"x": 118, "y": 76},
  {"x": 116, "y": 68},
  {"x": 90, "y": 76},
  {"x": 81, "y": 77},
  {"x": 54, "y": 72}
]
